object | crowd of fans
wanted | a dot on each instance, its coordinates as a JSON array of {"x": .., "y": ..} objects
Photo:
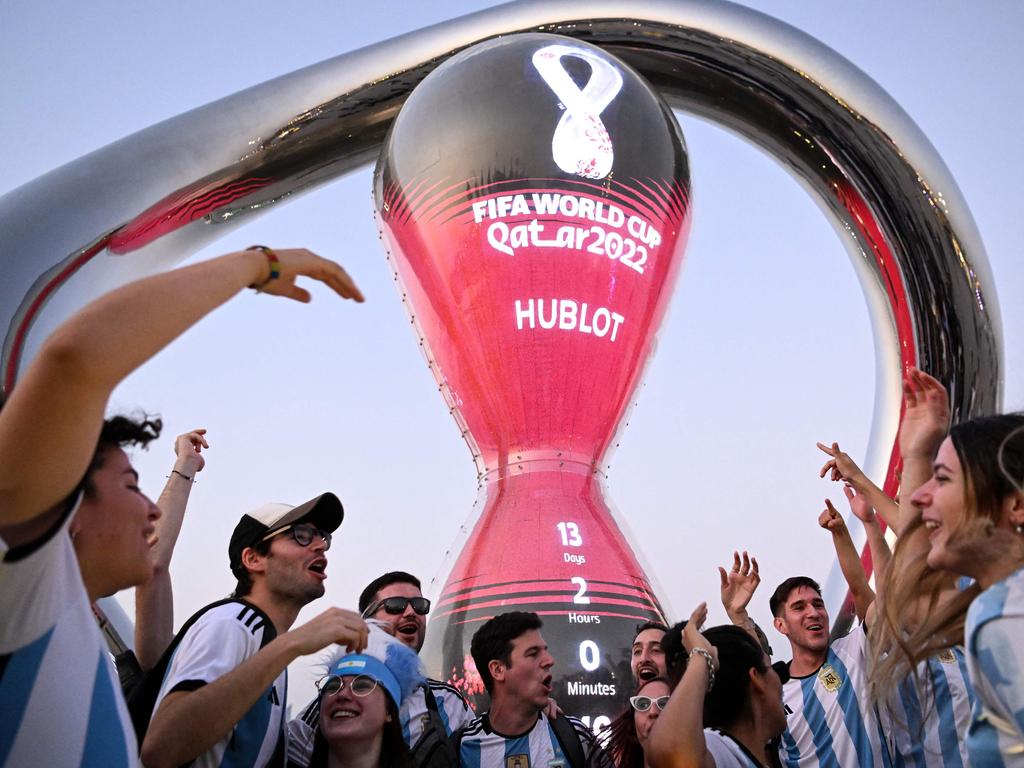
[{"x": 932, "y": 675}]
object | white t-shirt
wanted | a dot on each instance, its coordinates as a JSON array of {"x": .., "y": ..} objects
[
  {"x": 829, "y": 720},
  {"x": 60, "y": 699},
  {"x": 220, "y": 640}
]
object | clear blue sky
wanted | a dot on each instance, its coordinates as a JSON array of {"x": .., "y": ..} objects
[{"x": 766, "y": 348}]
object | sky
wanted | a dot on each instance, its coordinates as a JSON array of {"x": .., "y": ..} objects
[{"x": 766, "y": 348}]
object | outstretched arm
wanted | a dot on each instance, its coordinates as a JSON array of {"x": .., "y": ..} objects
[
  {"x": 738, "y": 587},
  {"x": 154, "y": 600},
  {"x": 45, "y": 448},
  {"x": 849, "y": 560},
  {"x": 677, "y": 737}
]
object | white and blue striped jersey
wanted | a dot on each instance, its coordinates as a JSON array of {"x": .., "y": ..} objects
[
  {"x": 995, "y": 660},
  {"x": 452, "y": 708},
  {"x": 925, "y": 720},
  {"x": 829, "y": 720},
  {"x": 483, "y": 747},
  {"x": 60, "y": 698},
  {"x": 220, "y": 640},
  {"x": 726, "y": 751}
]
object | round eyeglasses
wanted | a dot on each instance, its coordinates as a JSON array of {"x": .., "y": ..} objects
[
  {"x": 303, "y": 533},
  {"x": 644, "y": 703},
  {"x": 360, "y": 685},
  {"x": 396, "y": 606}
]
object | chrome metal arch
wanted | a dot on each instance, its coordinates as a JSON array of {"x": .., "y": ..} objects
[{"x": 149, "y": 200}]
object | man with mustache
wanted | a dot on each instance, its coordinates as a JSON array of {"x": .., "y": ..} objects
[
  {"x": 648, "y": 657},
  {"x": 514, "y": 663}
]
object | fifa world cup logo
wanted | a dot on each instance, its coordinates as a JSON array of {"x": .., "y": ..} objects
[{"x": 534, "y": 198}]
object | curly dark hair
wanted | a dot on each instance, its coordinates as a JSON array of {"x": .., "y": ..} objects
[{"x": 118, "y": 432}]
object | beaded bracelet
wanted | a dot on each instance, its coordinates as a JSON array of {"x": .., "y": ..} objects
[
  {"x": 275, "y": 265},
  {"x": 711, "y": 665}
]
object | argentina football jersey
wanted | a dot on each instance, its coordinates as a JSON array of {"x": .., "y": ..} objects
[
  {"x": 926, "y": 717},
  {"x": 61, "y": 698},
  {"x": 995, "y": 661},
  {"x": 483, "y": 747},
  {"x": 828, "y": 718}
]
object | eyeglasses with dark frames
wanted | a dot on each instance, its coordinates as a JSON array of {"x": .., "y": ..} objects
[
  {"x": 396, "y": 606},
  {"x": 644, "y": 703},
  {"x": 303, "y": 533},
  {"x": 360, "y": 685}
]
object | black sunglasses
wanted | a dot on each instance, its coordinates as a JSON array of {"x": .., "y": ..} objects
[{"x": 396, "y": 606}]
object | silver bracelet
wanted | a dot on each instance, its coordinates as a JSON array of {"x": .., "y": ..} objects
[{"x": 711, "y": 664}]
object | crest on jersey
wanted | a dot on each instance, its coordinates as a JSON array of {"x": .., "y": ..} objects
[
  {"x": 517, "y": 761},
  {"x": 947, "y": 656},
  {"x": 829, "y": 678}
]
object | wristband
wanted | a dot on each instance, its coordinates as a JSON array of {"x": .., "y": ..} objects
[
  {"x": 272, "y": 260},
  {"x": 711, "y": 664},
  {"x": 176, "y": 472}
]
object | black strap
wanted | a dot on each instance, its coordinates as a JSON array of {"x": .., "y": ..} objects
[
  {"x": 569, "y": 740},
  {"x": 142, "y": 698},
  {"x": 433, "y": 749}
]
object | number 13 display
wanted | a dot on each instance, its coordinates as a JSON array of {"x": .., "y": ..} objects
[{"x": 534, "y": 197}]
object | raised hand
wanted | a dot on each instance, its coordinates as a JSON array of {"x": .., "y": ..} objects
[
  {"x": 335, "y": 625},
  {"x": 925, "y": 415},
  {"x": 739, "y": 584},
  {"x": 299, "y": 262},
  {"x": 831, "y": 520},
  {"x": 860, "y": 507},
  {"x": 693, "y": 637},
  {"x": 188, "y": 449},
  {"x": 841, "y": 466}
]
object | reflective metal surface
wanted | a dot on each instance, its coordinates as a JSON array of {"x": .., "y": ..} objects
[{"x": 149, "y": 200}]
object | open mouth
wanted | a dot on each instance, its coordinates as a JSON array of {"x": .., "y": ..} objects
[
  {"x": 150, "y": 536},
  {"x": 343, "y": 714},
  {"x": 646, "y": 671},
  {"x": 546, "y": 682},
  {"x": 319, "y": 567},
  {"x": 409, "y": 629},
  {"x": 817, "y": 627}
]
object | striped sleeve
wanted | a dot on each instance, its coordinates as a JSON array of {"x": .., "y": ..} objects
[{"x": 999, "y": 650}]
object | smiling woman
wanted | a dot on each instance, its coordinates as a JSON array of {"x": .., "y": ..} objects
[
  {"x": 962, "y": 515},
  {"x": 359, "y": 700}
]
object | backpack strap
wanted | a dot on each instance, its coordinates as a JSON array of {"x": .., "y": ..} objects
[
  {"x": 142, "y": 697},
  {"x": 433, "y": 749},
  {"x": 569, "y": 740}
]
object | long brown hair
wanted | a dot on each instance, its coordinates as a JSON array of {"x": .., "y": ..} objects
[{"x": 921, "y": 613}]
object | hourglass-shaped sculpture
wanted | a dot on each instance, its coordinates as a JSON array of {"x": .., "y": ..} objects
[{"x": 534, "y": 197}]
